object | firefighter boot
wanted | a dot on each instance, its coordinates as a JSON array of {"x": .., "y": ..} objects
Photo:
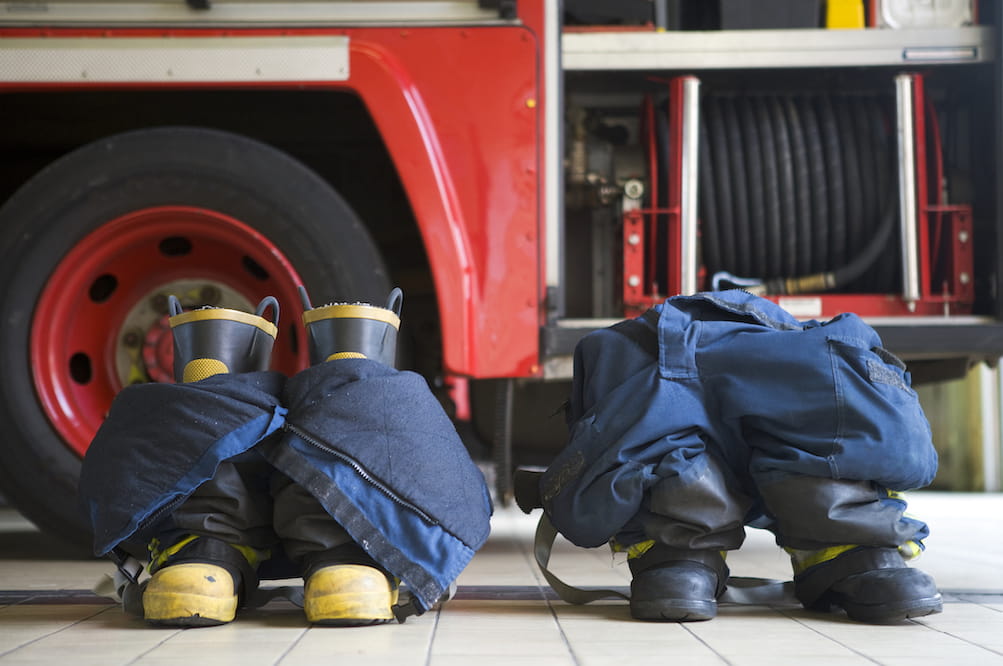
[
  {"x": 211, "y": 341},
  {"x": 871, "y": 584},
  {"x": 196, "y": 583},
  {"x": 344, "y": 587},
  {"x": 353, "y": 330},
  {"x": 676, "y": 585}
]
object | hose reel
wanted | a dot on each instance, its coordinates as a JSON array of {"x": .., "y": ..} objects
[{"x": 797, "y": 192}]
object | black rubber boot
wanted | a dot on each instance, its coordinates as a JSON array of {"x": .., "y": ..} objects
[
  {"x": 211, "y": 341},
  {"x": 671, "y": 585},
  {"x": 353, "y": 330},
  {"x": 871, "y": 584}
]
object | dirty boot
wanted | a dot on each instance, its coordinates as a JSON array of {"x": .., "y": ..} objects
[
  {"x": 197, "y": 582},
  {"x": 349, "y": 595},
  {"x": 344, "y": 587},
  {"x": 871, "y": 584},
  {"x": 675, "y": 585}
]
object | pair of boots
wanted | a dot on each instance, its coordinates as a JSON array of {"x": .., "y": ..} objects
[
  {"x": 870, "y": 584},
  {"x": 200, "y": 580}
]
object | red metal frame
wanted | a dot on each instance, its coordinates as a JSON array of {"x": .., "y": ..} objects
[
  {"x": 463, "y": 126},
  {"x": 641, "y": 226},
  {"x": 953, "y": 224}
]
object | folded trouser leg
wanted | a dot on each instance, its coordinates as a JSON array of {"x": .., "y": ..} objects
[
  {"x": 204, "y": 561},
  {"x": 813, "y": 513},
  {"x": 234, "y": 506},
  {"x": 344, "y": 586},
  {"x": 701, "y": 509},
  {"x": 689, "y": 519}
]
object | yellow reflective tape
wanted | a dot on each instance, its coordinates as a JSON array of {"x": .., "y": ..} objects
[
  {"x": 224, "y": 314},
  {"x": 910, "y": 550},
  {"x": 345, "y": 311},
  {"x": 159, "y": 557},
  {"x": 803, "y": 559},
  {"x": 634, "y": 550},
  {"x": 253, "y": 556},
  {"x": 335, "y": 356},
  {"x": 199, "y": 368}
]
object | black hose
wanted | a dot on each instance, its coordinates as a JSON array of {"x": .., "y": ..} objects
[
  {"x": 795, "y": 191},
  {"x": 837, "y": 195},
  {"x": 771, "y": 190},
  {"x": 802, "y": 190},
  {"x": 725, "y": 210},
  {"x": 710, "y": 240},
  {"x": 785, "y": 171},
  {"x": 739, "y": 191},
  {"x": 856, "y": 233},
  {"x": 818, "y": 185},
  {"x": 754, "y": 174}
]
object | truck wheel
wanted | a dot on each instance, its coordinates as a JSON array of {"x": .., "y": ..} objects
[{"x": 94, "y": 245}]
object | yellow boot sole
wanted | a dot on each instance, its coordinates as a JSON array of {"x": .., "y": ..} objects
[
  {"x": 349, "y": 595},
  {"x": 190, "y": 594}
]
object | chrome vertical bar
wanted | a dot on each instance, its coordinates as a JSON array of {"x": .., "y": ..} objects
[
  {"x": 553, "y": 173},
  {"x": 688, "y": 198},
  {"x": 907, "y": 190}
]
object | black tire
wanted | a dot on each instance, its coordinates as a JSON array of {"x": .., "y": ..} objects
[{"x": 69, "y": 204}]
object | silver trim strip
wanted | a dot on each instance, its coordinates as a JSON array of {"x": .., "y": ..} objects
[
  {"x": 744, "y": 49},
  {"x": 174, "y": 59},
  {"x": 257, "y": 14}
]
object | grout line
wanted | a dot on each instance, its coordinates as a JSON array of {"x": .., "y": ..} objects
[
  {"x": 956, "y": 637},
  {"x": 51, "y": 633},
  {"x": 293, "y": 644},
  {"x": 142, "y": 654},
  {"x": 545, "y": 594},
  {"x": 684, "y": 626},
  {"x": 791, "y": 616}
]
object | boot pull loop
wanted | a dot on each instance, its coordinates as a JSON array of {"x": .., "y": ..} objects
[
  {"x": 304, "y": 298},
  {"x": 263, "y": 305},
  {"x": 395, "y": 301},
  {"x": 173, "y": 305}
]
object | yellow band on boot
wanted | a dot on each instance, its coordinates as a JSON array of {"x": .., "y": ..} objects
[
  {"x": 634, "y": 550},
  {"x": 803, "y": 559},
  {"x": 159, "y": 557},
  {"x": 199, "y": 368},
  {"x": 337, "y": 355}
]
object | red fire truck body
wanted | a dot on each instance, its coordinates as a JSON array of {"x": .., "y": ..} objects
[{"x": 524, "y": 181}]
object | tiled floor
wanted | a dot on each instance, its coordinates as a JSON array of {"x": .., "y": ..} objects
[{"x": 504, "y": 614}]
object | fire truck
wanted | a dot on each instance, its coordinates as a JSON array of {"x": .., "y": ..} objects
[{"x": 525, "y": 170}]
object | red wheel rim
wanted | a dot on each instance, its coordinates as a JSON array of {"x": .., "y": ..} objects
[{"x": 78, "y": 330}]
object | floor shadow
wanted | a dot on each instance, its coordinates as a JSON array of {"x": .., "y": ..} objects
[{"x": 30, "y": 544}]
